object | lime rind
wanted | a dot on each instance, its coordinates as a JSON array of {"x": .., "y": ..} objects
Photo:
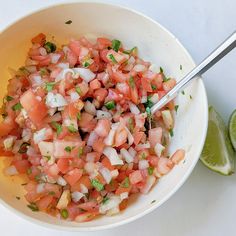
[
  {"x": 232, "y": 129},
  {"x": 218, "y": 154}
]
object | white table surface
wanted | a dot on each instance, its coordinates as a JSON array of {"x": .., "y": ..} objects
[{"x": 206, "y": 203}]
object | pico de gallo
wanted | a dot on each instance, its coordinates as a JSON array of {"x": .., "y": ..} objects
[{"x": 77, "y": 122}]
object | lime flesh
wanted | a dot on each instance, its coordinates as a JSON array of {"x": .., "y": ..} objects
[
  {"x": 232, "y": 129},
  {"x": 218, "y": 154}
]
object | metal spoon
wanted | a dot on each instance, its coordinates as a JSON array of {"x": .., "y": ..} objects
[{"x": 207, "y": 63}]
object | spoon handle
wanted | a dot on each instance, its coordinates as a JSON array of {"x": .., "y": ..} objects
[{"x": 207, "y": 63}]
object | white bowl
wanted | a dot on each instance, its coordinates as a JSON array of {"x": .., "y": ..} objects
[{"x": 156, "y": 44}]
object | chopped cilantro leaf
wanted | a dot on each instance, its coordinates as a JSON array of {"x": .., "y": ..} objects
[
  {"x": 113, "y": 59},
  {"x": 64, "y": 213},
  {"x": 69, "y": 149},
  {"x": 183, "y": 92},
  {"x": 125, "y": 183},
  {"x": 80, "y": 151},
  {"x": 153, "y": 201},
  {"x": 180, "y": 67},
  {"x": 150, "y": 170},
  {"x": 105, "y": 199},
  {"x": 154, "y": 87},
  {"x": 131, "y": 82},
  {"x": 33, "y": 207},
  {"x": 49, "y": 86},
  {"x": 110, "y": 105},
  {"x": 8, "y": 98},
  {"x": 50, "y": 47},
  {"x": 97, "y": 185},
  {"x": 176, "y": 108},
  {"x": 23, "y": 148},
  {"x": 72, "y": 129},
  {"x": 57, "y": 126},
  {"x": 116, "y": 45},
  {"x": 79, "y": 116},
  {"x": 18, "y": 198},
  {"x": 171, "y": 132},
  {"x": 190, "y": 96},
  {"x": 17, "y": 107},
  {"x": 86, "y": 64},
  {"x": 161, "y": 70},
  {"x": 78, "y": 90}
]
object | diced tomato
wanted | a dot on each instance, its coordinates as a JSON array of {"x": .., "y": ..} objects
[
  {"x": 35, "y": 108},
  {"x": 40, "y": 39},
  {"x": 98, "y": 145},
  {"x": 103, "y": 127},
  {"x": 153, "y": 160},
  {"x": 100, "y": 94},
  {"x": 85, "y": 119},
  {"x": 73, "y": 176},
  {"x": 95, "y": 84},
  {"x": 67, "y": 148},
  {"x": 106, "y": 163},
  {"x": 146, "y": 84},
  {"x": 154, "y": 136},
  {"x": 6, "y": 126},
  {"x": 135, "y": 177},
  {"x": 134, "y": 95},
  {"x": 63, "y": 165},
  {"x": 137, "y": 137},
  {"x": 22, "y": 166},
  {"x": 44, "y": 202}
]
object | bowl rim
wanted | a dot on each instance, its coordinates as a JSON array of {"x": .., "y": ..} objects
[{"x": 185, "y": 176}]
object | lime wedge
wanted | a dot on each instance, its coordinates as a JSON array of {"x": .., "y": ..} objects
[
  {"x": 232, "y": 129},
  {"x": 218, "y": 154}
]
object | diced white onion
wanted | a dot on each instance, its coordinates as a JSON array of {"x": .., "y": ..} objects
[
  {"x": 154, "y": 98},
  {"x": 11, "y": 170},
  {"x": 112, "y": 156},
  {"x": 76, "y": 196},
  {"x": 143, "y": 164},
  {"x": 90, "y": 108},
  {"x": 74, "y": 96},
  {"x": 63, "y": 65},
  {"x": 55, "y": 57},
  {"x": 83, "y": 188},
  {"x": 110, "y": 138},
  {"x": 90, "y": 167},
  {"x": 111, "y": 203},
  {"x": 114, "y": 173},
  {"x": 42, "y": 51},
  {"x": 92, "y": 138},
  {"x": 63, "y": 73},
  {"x": 31, "y": 69},
  {"x": 144, "y": 99},
  {"x": 40, "y": 187},
  {"x": 8, "y": 142},
  {"x": 61, "y": 181},
  {"x": 26, "y": 135},
  {"x": 55, "y": 100},
  {"x": 139, "y": 68},
  {"x": 124, "y": 195},
  {"x": 113, "y": 211},
  {"x": 46, "y": 148},
  {"x": 84, "y": 73},
  {"x": 36, "y": 80},
  {"x": 142, "y": 146},
  {"x": 126, "y": 155},
  {"x": 40, "y": 135},
  {"x": 132, "y": 152},
  {"x": 130, "y": 136},
  {"x": 159, "y": 149},
  {"x": 149, "y": 183},
  {"x": 133, "y": 108},
  {"x": 106, "y": 174},
  {"x": 103, "y": 114},
  {"x": 154, "y": 68},
  {"x": 17, "y": 146}
]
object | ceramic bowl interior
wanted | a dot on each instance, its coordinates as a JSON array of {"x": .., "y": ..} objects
[{"x": 155, "y": 44}]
